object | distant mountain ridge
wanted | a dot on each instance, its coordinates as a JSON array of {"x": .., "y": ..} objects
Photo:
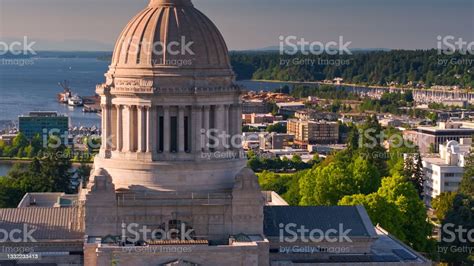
[{"x": 277, "y": 48}]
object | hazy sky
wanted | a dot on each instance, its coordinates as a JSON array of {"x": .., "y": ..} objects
[{"x": 248, "y": 24}]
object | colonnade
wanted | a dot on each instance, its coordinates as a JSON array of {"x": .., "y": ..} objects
[{"x": 169, "y": 128}]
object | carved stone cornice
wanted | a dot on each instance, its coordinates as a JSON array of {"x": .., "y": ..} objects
[{"x": 146, "y": 87}]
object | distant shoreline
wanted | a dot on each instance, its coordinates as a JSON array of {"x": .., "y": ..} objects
[{"x": 349, "y": 85}]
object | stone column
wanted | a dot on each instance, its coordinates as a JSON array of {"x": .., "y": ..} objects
[
  {"x": 181, "y": 134},
  {"x": 106, "y": 127},
  {"x": 151, "y": 138},
  {"x": 226, "y": 126},
  {"x": 127, "y": 138},
  {"x": 231, "y": 124},
  {"x": 238, "y": 110},
  {"x": 142, "y": 129},
  {"x": 219, "y": 125},
  {"x": 238, "y": 126},
  {"x": 205, "y": 129},
  {"x": 196, "y": 139},
  {"x": 156, "y": 111},
  {"x": 119, "y": 141},
  {"x": 166, "y": 129}
]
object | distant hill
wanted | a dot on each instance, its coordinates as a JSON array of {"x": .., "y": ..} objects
[
  {"x": 424, "y": 67},
  {"x": 277, "y": 48}
]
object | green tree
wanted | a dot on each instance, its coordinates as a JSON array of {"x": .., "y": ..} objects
[
  {"x": 371, "y": 144},
  {"x": 432, "y": 148},
  {"x": 83, "y": 173},
  {"x": 366, "y": 176},
  {"x": 10, "y": 193},
  {"x": 413, "y": 171},
  {"x": 460, "y": 215},
  {"x": 380, "y": 211},
  {"x": 467, "y": 183},
  {"x": 326, "y": 185},
  {"x": 277, "y": 128},
  {"x": 443, "y": 204},
  {"x": 397, "y": 207},
  {"x": 56, "y": 169}
]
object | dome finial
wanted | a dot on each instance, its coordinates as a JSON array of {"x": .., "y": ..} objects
[{"x": 154, "y": 3}]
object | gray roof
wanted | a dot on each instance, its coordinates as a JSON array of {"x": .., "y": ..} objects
[
  {"x": 49, "y": 223},
  {"x": 318, "y": 217}
]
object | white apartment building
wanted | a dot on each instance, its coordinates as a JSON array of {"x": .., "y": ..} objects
[{"x": 444, "y": 171}]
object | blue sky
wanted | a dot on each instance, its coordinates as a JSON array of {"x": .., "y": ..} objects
[{"x": 248, "y": 24}]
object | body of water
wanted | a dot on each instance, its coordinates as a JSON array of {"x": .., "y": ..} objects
[
  {"x": 263, "y": 85},
  {"x": 34, "y": 87},
  {"x": 5, "y": 167}
]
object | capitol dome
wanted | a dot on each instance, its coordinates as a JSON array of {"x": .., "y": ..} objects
[
  {"x": 171, "y": 112},
  {"x": 172, "y": 41}
]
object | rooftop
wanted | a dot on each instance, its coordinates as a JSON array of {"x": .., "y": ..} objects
[
  {"x": 47, "y": 200},
  {"x": 50, "y": 223},
  {"x": 320, "y": 217},
  {"x": 389, "y": 249}
]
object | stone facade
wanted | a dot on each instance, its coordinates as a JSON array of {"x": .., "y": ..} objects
[{"x": 170, "y": 152}]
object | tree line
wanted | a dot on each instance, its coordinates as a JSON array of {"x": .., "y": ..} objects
[{"x": 369, "y": 68}]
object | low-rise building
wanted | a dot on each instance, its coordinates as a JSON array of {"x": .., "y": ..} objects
[
  {"x": 428, "y": 139},
  {"x": 314, "y": 132},
  {"x": 391, "y": 122},
  {"x": 255, "y": 106},
  {"x": 250, "y": 140},
  {"x": 273, "y": 141},
  {"x": 309, "y": 114},
  {"x": 444, "y": 171},
  {"x": 289, "y": 108},
  {"x": 254, "y": 118},
  {"x": 8, "y": 138},
  {"x": 40, "y": 123}
]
